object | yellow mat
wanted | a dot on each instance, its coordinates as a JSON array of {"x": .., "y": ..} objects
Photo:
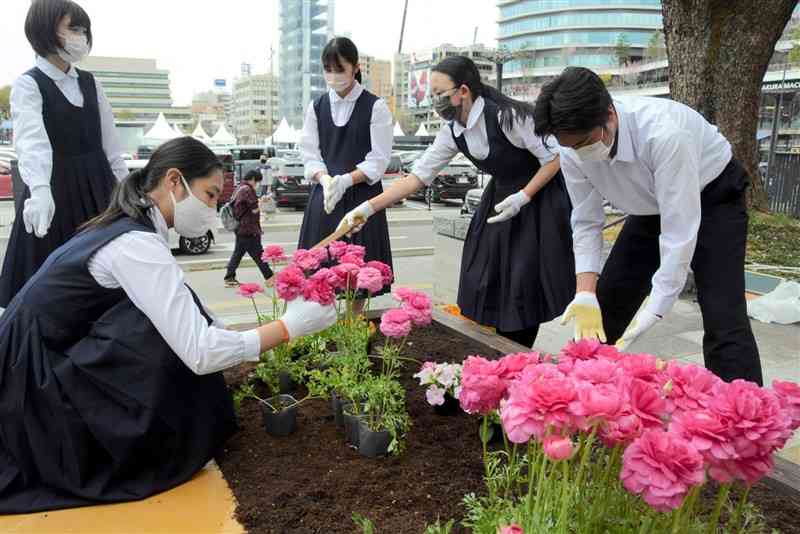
[{"x": 204, "y": 505}]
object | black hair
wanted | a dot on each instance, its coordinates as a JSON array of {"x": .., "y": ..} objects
[
  {"x": 42, "y": 22},
  {"x": 576, "y": 101},
  {"x": 190, "y": 156},
  {"x": 338, "y": 49},
  {"x": 253, "y": 175},
  {"x": 463, "y": 71}
]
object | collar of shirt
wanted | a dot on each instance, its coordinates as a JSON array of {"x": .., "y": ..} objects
[
  {"x": 474, "y": 114},
  {"x": 352, "y": 96},
  {"x": 54, "y": 72},
  {"x": 624, "y": 138},
  {"x": 160, "y": 223}
]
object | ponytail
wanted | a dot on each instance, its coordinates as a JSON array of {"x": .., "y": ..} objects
[
  {"x": 131, "y": 197},
  {"x": 463, "y": 71}
]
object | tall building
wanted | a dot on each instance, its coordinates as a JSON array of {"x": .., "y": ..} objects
[
  {"x": 137, "y": 91},
  {"x": 210, "y": 108},
  {"x": 255, "y": 108},
  {"x": 559, "y": 33},
  {"x": 412, "y": 74},
  {"x": 305, "y": 26},
  {"x": 377, "y": 76}
]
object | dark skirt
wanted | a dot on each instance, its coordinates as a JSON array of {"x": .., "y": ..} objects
[
  {"x": 115, "y": 417},
  {"x": 81, "y": 188},
  {"x": 521, "y": 272},
  {"x": 374, "y": 236}
]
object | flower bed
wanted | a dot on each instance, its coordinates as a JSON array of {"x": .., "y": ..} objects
[{"x": 313, "y": 482}]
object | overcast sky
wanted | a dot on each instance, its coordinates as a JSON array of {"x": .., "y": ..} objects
[{"x": 199, "y": 41}]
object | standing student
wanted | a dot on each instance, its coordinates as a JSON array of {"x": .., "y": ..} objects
[
  {"x": 110, "y": 382},
  {"x": 346, "y": 146},
  {"x": 516, "y": 268},
  {"x": 247, "y": 211},
  {"x": 675, "y": 175},
  {"x": 69, "y": 154}
]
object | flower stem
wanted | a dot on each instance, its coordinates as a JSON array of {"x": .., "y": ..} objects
[
  {"x": 258, "y": 317},
  {"x": 734, "y": 526},
  {"x": 721, "y": 498}
]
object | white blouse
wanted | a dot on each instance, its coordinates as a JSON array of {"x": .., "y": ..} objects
[
  {"x": 34, "y": 152},
  {"x": 380, "y": 129},
  {"x": 444, "y": 148},
  {"x": 141, "y": 263}
]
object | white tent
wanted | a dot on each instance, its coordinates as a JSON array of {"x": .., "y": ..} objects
[
  {"x": 178, "y": 130},
  {"x": 398, "y": 131},
  {"x": 200, "y": 134},
  {"x": 285, "y": 133},
  {"x": 223, "y": 137},
  {"x": 160, "y": 132},
  {"x": 422, "y": 131}
]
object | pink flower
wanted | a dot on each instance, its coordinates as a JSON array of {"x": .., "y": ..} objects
[
  {"x": 596, "y": 404},
  {"x": 643, "y": 366},
  {"x": 647, "y": 403},
  {"x": 273, "y": 254},
  {"x": 305, "y": 259},
  {"x": 789, "y": 396},
  {"x": 356, "y": 250},
  {"x": 402, "y": 294},
  {"x": 595, "y": 371},
  {"x": 585, "y": 349},
  {"x": 510, "y": 366},
  {"x": 662, "y": 467},
  {"x": 557, "y": 448},
  {"x": 352, "y": 258},
  {"x": 481, "y": 387},
  {"x": 369, "y": 279},
  {"x": 249, "y": 290},
  {"x": 418, "y": 306},
  {"x": 348, "y": 275},
  {"x": 621, "y": 430},
  {"x": 337, "y": 249},
  {"x": 609, "y": 352},
  {"x": 289, "y": 283},
  {"x": 321, "y": 254},
  {"x": 757, "y": 424},
  {"x": 707, "y": 433},
  {"x": 386, "y": 271},
  {"x": 395, "y": 323},
  {"x": 749, "y": 470},
  {"x": 535, "y": 406},
  {"x": 691, "y": 386},
  {"x": 318, "y": 289},
  {"x": 331, "y": 277},
  {"x": 513, "y": 528}
]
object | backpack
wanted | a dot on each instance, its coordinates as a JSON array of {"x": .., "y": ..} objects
[{"x": 229, "y": 220}]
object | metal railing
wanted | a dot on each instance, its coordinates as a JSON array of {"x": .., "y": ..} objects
[{"x": 783, "y": 185}]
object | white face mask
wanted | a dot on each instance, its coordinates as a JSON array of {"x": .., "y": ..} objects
[
  {"x": 598, "y": 151},
  {"x": 193, "y": 218},
  {"x": 76, "y": 47},
  {"x": 338, "y": 81}
]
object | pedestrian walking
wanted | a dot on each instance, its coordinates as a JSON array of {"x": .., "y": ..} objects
[{"x": 246, "y": 210}]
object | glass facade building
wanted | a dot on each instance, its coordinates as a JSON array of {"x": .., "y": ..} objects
[
  {"x": 305, "y": 26},
  {"x": 575, "y": 32}
]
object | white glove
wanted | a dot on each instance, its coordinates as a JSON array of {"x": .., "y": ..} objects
[
  {"x": 643, "y": 322},
  {"x": 37, "y": 214},
  {"x": 304, "y": 317},
  {"x": 585, "y": 309},
  {"x": 357, "y": 218},
  {"x": 510, "y": 207},
  {"x": 333, "y": 189}
]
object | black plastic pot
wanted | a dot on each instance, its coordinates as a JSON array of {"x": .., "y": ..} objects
[
  {"x": 283, "y": 422},
  {"x": 286, "y": 384},
  {"x": 451, "y": 406},
  {"x": 372, "y": 444},
  {"x": 351, "y": 424},
  {"x": 336, "y": 406}
]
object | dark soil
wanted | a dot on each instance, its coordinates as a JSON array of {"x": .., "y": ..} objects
[{"x": 312, "y": 482}]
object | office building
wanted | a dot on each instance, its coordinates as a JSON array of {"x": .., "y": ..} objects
[{"x": 255, "y": 112}]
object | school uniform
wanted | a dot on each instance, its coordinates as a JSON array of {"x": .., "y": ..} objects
[
  {"x": 674, "y": 174},
  {"x": 341, "y": 135},
  {"x": 109, "y": 389},
  {"x": 65, "y": 138},
  {"x": 515, "y": 274}
]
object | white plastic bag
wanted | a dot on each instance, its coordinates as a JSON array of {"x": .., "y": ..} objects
[{"x": 781, "y": 305}]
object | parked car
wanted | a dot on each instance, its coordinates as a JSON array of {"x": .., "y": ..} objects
[
  {"x": 452, "y": 182},
  {"x": 290, "y": 189},
  {"x": 471, "y": 200},
  {"x": 187, "y": 245}
]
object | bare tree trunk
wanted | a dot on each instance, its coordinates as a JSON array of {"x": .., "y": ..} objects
[{"x": 718, "y": 53}]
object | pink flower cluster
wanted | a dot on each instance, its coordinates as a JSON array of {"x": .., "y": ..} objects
[
  {"x": 677, "y": 423},
  {"x": 415, "y": 310},
  {"x": 308, "y": 276}
]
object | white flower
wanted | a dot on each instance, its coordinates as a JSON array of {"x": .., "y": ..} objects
[
  {"x": 427, "y": 374},
  {"x": 447, "y": 375},
  {"x": 435, "y": 395}
]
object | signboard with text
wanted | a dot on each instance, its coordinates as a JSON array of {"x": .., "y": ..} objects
[{"x": 419, "y": 88}]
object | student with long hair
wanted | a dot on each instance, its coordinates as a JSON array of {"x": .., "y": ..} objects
[
  {"x": 346, "y": 146},
  {"x": 110, "y": 383},
  {"x": 516, "y": 268},
  {"x": 69, "y": 153}
]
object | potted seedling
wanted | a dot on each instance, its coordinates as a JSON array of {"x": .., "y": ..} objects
[{"x": 384, "y": 420}]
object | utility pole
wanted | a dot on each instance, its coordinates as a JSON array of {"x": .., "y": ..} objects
[
  {"x": 475, "y": 36},
  {"x": 402, "y": 28}
]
